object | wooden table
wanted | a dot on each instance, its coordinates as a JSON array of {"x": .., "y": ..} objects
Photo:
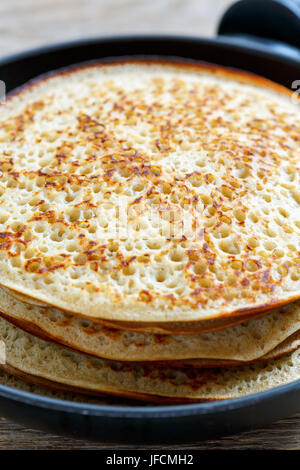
[
  {"x": 30, "y": 23},
  {"x": 283, "y": 435}
]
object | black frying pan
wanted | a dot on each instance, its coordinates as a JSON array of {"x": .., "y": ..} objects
[{"x": 259, "y": 36}]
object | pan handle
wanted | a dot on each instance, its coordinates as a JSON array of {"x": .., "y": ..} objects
[{"x": 270, "y": 22}]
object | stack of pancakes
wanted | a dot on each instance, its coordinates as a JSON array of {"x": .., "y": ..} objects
[{"x": 150, "y": 233}]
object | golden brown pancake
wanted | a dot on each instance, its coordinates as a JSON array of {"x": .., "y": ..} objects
[{"x": 151, "y": 192}]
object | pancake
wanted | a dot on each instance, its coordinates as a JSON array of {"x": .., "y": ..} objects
[
  {"x": 243, "y": 342},
  {"x": 291, "y": 343},
  {"x": 23, "y": 298},
  {"x": 184, "y": 328},
  {"x": 160, "y": 328},
  {"x": 151, "y": 192},
  {"x": 287, "y": 346},
  {"x": 34, "y": 356},
  {"x": 13, "y": 378}
]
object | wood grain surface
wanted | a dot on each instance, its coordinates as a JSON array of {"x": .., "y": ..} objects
[
  {"x": 30, "y": 23},
  {"x": 283, "y": 435}
]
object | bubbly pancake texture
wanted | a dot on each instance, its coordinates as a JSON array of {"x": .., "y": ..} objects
[{"x": 151, "y": 192}]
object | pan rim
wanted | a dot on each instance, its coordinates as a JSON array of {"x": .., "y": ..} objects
[
  {"x": 241, "y": 44},
  {"x": 158, "y": 411}
]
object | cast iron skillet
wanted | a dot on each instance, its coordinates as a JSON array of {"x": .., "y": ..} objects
[{"x": 242, "y": 47}]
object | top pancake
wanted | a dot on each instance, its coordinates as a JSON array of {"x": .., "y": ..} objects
[{"x": 151, "y": 192}]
